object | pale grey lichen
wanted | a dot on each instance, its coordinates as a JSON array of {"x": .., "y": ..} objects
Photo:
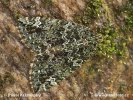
[{"x": 61, "y": 47}]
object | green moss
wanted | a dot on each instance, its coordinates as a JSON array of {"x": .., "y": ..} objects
[
  {"x": 92, "y": 71},
  {"x": 1, "y": 83},
  {"x": 128, "y": 11},
  {"x": 122, "y": 88},
  {"x": 6, "y": 79},
  {"x": 90, "y": 13},
  {"x": 125, "y": 12},
  {"x": 6, "y": 2},
  {"x": 111, "y": 42},
  {"x": 47, "y": 2}
]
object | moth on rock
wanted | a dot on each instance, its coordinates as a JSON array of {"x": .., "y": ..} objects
[{"x": 60, "y": 46}]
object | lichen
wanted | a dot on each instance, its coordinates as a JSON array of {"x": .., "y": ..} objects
[{"x": 60, "y": 46}]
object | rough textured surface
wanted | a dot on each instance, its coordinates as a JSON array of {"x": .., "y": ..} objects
[{"x": 101, "y": 74}]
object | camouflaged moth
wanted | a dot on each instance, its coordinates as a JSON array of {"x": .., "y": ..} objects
[{"x": 60, "y": 46}]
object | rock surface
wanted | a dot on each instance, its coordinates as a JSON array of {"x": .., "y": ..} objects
[{"x": 99, "y": 74}]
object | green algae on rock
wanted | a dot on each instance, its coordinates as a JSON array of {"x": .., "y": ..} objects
[{"x": 60, "y": 46}]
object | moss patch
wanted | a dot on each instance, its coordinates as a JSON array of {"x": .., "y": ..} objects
[
  {"x": 6, "y": 79},
  {"x": 90, "y": 13},
  {"x": 111, "y": 42}
]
